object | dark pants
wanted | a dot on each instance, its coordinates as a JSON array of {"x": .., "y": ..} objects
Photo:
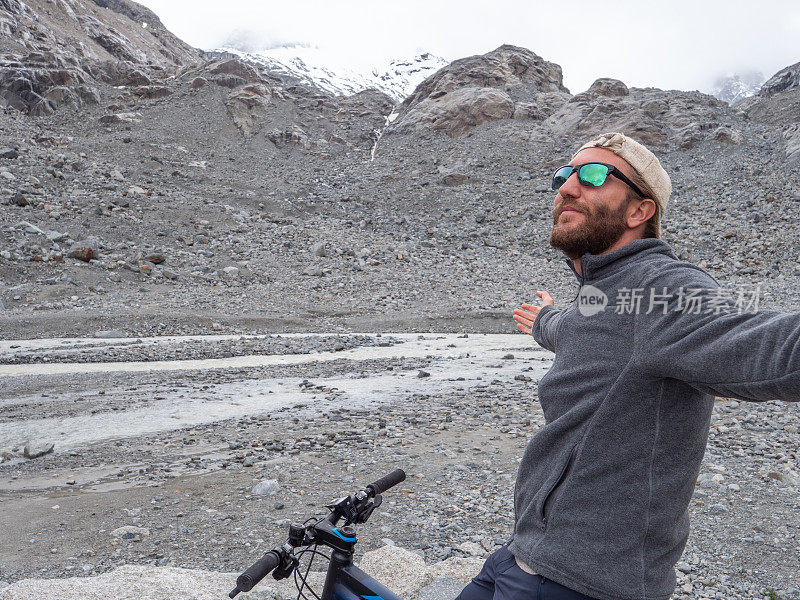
[{"x": 502, "y": 579}]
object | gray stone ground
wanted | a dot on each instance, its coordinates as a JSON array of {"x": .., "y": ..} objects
[{"x": 190, "y": 490}]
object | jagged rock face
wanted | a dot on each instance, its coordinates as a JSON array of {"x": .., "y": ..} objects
[
  {"x": 781, "y": 81},
  {"x": 778, "y": 102},
  {"x": 267, "y": 113},
  {"x": 516, "y": 85},
  {"x": 477, "y": 89},
  {"x": 651, "y": 116},
  {"x": 792, "y": 137},
  {"x": 40, "y": 81},
  {"x": 55, "y": 53}
]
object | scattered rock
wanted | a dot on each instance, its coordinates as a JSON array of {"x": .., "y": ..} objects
[
  {"x": 266, "y": 487},
  {"x": 109, "y": 334},
  {"x": 131, "y": 532},
  {"x": 156, "y": 258},
  {"x": 198, "y": 82},
  {"x": 84, "y": 250},
  {"x": 37, "y": 449},
  {"x": 20, "y": 199}
]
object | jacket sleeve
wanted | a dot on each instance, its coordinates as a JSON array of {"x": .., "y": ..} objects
[
  {"x": 719, "y": 349},
  {"x": 545, "y": 326}
]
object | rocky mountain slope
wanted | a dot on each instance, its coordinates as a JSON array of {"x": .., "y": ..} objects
[
  {"x": 217, "y": 191},
  {"x": 56, "y": 53}
]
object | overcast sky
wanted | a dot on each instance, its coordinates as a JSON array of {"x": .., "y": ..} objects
[{"x": 671, "y": 45}]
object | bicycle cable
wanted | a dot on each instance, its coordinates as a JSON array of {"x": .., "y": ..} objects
[{"x": 313, "y": 551}]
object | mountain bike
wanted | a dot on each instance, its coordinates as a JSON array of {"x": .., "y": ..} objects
[{"x": 343, "y": 581}]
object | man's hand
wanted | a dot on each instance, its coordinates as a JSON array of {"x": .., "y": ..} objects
[{"x": 527, "y": 314}]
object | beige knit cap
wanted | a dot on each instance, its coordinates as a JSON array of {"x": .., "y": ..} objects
[{"x": 641, "y": 159}]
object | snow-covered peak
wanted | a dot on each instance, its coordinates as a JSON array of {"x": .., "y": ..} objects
[
  {"x": 736, "y": 87},
  {"x": 397, "y": 78}
]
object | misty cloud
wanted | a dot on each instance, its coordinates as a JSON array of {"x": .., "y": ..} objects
[{"x": 678, "y": 45}]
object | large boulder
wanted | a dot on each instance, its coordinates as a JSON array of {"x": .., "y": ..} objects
[
  {"x": 134, "y": 582},
  {"x": 406, "y": 574},
  {"x": 458, "y": 111},
  {"x": 247, "y": 106},
  {"x": 506, "y": 67},
  {"x": 476, "y": 89},
  {"x": 400, "y": 570},
  {"x": 613, "y": 88},
  {"x": 237, "y": 68},
  {"x": 792, "y": 149}
]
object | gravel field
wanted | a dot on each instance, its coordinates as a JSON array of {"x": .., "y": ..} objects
[{"x": 192, "y": 488}]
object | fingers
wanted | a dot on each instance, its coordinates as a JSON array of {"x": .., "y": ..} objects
[
  {"x": 526, "y": 315},
  {"x": 523, "y": 321},
  {"x": 546, "y": 298}
]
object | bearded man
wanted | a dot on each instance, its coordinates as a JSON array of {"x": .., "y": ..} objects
[{"x": 603, "y": 489}]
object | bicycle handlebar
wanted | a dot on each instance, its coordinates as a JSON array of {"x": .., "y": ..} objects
[
  {"x": 260, "y": 569},
  {"x": 355, "y": 509},
  {"x": 387, "y": 481}
]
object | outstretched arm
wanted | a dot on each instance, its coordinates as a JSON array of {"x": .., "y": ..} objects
[{"x": 725, "y": 352}]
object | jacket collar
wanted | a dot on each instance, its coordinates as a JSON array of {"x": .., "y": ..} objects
[{"x": 594, "y": 265}]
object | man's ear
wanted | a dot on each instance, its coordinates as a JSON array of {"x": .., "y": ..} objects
[{"x": 643, "y": 210}]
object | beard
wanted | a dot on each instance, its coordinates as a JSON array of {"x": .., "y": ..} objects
[{"x": 600, "y": 229}]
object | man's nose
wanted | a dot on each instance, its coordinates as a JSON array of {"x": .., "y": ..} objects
[{"x": 571, "y": 188}]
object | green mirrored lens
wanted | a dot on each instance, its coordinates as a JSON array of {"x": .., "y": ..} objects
[
  {"x": 593, "y": 174},
  {"x": 561, "y": 177}
]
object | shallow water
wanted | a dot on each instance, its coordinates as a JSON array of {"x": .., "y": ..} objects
[{"x": 476, "y": 359}]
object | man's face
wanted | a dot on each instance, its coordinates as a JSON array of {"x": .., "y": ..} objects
[{"x": 590, "y": 219}]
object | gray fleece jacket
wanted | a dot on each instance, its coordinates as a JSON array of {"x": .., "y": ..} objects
[{"x": 603, "y": 488}]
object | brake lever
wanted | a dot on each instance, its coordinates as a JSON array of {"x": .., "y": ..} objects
[
  {"x": 289, "y": 563},
  {"x": 365, "y": 510}
]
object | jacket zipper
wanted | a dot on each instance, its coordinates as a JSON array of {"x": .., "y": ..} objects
[
  {"x": 580, "y": 280},
  {"x": 562, "y": 476}
]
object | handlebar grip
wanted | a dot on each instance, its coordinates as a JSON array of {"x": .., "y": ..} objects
[
  {"x": 247, "y": 580},
  {"x": 387, "y": 481}
]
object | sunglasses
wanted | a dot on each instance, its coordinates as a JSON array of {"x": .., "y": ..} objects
[{"x": 592, "y": 175}]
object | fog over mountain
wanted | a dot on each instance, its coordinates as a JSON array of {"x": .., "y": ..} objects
[{"x": 732, "y": 88}]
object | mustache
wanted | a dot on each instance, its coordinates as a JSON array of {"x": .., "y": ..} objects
[{"x": 562, "y": 207}]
